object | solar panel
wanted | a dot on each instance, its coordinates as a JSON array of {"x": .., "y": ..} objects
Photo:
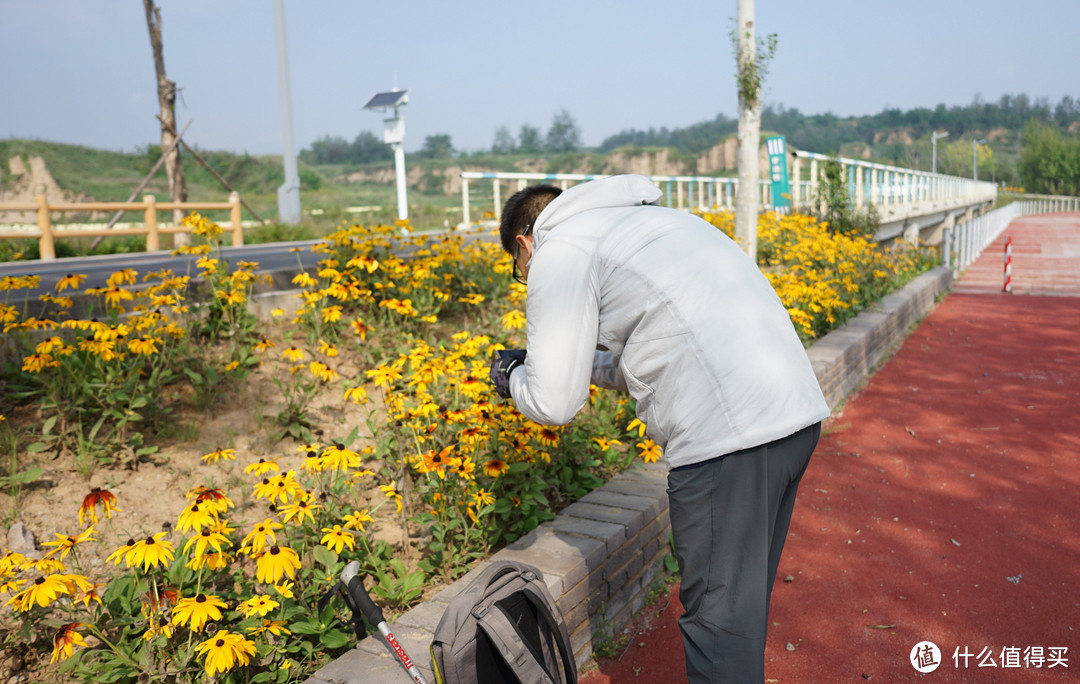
[{"x": 390, "y": 99}]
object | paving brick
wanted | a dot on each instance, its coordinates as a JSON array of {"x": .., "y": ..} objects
[
  {"x": 559, "y": 570},
  {"x": 610, "y": 535},
  {"x": 637, "y": 487},
  {"x": 631, "y": 519},
  {"x": 648, "y": 506}
]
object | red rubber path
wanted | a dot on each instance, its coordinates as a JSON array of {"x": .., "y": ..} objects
[{"x": 943, "y": 501}]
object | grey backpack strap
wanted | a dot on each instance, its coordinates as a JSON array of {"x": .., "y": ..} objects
[{"x": 505, "y": 635}]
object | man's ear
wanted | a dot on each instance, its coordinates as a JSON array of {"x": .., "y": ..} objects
[{"x": 525, "y": 244}]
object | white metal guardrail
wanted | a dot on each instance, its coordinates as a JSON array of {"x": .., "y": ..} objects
[
  {"x": 680, "y": 192},
  {"x": 969, "y": 239}
]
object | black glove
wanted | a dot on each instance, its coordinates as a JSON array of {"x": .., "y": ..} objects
[{"x": 504, "y": 363}]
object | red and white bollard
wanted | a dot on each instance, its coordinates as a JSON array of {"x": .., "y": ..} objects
[{"x": 1008, "y": 265}]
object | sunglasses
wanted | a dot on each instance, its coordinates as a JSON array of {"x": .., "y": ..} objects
[{"x": 515, "y": 270}]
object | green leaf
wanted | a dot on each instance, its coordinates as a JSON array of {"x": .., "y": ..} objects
[
  {"x": 334, "y": 639},
  {"x": 37, "y": 447},
  {"x": 24, "y": 477},
  {"x": 670, "y": 563},
  {"x": 139, "y": 401},
  {"x": 306, "y": 628},
  {"x": 47, "y": 426},
  {"x": 325, "y": 556}
]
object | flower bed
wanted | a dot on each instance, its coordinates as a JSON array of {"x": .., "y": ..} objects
[{"x": 232, "y": 589}]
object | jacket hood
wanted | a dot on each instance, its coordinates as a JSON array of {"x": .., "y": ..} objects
[{"x": 604, "y": 193}]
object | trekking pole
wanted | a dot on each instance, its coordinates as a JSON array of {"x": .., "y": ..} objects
[{"x": 358, "y": 596}]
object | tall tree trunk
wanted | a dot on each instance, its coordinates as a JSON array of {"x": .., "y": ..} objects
[
  {"x": 746, "y": 197},
  {"x": 166, "y": 89}
]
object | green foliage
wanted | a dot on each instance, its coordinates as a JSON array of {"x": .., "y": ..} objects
[
  {"x": 364, "y": 149},
  {"x": 834, "y": 204},
  {"x": 564, "y": 135},
  {"x": 437, "y": 147},
  {"x": 1050, "y": 161}
]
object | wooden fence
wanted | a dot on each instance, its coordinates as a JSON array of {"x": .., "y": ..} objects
[{"x": 47, "y": 236}]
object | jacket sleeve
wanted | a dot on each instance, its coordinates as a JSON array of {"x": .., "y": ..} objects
[
  {"x": 562, "y": 310},
  {"x": 605, "y": 373}
]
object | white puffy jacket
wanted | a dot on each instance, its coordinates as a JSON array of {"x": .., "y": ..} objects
[{"x": 694, "y": 331}]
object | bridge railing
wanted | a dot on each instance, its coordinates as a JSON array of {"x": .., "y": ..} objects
[
  {"x": 680, "y": 192},
  {"x": 969, "y": 239},
  {"x": 891, "y": 189}
]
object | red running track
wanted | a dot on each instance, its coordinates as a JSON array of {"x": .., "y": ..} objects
[{"x": 942, "y": 503}]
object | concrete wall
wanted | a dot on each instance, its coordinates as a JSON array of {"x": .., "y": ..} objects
[{"x": 600, "y": 555}]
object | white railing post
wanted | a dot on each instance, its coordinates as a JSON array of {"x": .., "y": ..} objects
[
  {"x": 465, "y": 203},
  {"x": 498, "y": 202}
]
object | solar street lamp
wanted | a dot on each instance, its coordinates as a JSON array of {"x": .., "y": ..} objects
[{"x": 394, "y": 136}]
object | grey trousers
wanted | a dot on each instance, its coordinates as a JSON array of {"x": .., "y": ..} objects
[{"x": 729, "y": 519}]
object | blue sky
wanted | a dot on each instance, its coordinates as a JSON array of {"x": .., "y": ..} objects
[{"x": 81, "y": 71}]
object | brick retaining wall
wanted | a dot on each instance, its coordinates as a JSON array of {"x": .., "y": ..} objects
[{"x": 600, "y": 555}]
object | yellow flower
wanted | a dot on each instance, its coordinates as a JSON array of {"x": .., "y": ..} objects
[
  {"x": 63, "y": 543},
  {"x": 213, "y": 456},
  {"x": 496, "y": 467},
  {"x": 635, "y": 423},
  {"x": 197, "y": 611},
  {"x": 264, "y": 344},
  {"x": 150, "y": 552},
  {"x": 127, "y": 275},
  {"x": 391, "y": 493},
  {"x": 275, "y": 627},
  {"x": 384, "y": 375},
  {"x": 323, "y": 372},
  {"x": 224, "y": 651},
  {"x": 258, "y": 605},
  {"x": 293, "y": 355},
  {"x": 143, "y": 345},
  {"x": 257, "y": 539},
  {"x": 281, "y": 486},
  {"x": 513, "y": 320},
  {"x": 331, "y": 314},
  {"x": 262, "y": 467},
  {"x": 278, "y": 561},
  {"x": 72, "y": 281},
  {"x": 205, "y": 539},
  {"x": 299, "y": 509},
  {"x": 356, "y": 520},
  {"x": 284, "y": 589},
  {"x": 474, "y": 298},
  {"x": 483, "y": 498},
  {"x": 650, "y": 450},
  {"x": 65, "y": 639},
  {"x": 357, "y": 394},
  {"x": 42, "y": 591},
  {"x": 327, "y": 349},
  {"x": 338, "y": 457},
  {"x": 303, "y": 279},
  {"x": 605, "y": 443},
  {"x": 195, "y": 517},
  {"x": 336, "y": 538}
]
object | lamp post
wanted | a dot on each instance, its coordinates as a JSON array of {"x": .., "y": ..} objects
[
  {"x": 975, "y": 157},
  {"x": 933, "y": 143}
]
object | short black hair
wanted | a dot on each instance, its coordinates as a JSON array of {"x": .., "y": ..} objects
[{"x": 521, "y": 210}]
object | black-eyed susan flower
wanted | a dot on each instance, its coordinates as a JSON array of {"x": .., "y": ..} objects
[
  {"x": 65, "y": 543},
  {"x": 636, "y": 424},
  {"x": 482, "y": 497},
  {"x": 277, "y": 562},
  {"x": 219, "y": 453},
  {"x": 121, "y": 553},
  {"x": 285, "y": 589},
  {"x": 215, "y": 560},
  {"x": 281, "y": 487},
  {"x": 257, "y": 605},
  {"x": 151, "y": 552},
  {"x": 97, "y": 496},
  {"x": 224, "y": 651},
  {"x": 513, "y": 320},
  {"x": 195, "y": 612},
  {"x": 206, "y": 539},
  {"x": 303, "y": 508},
  {"x": 213, "y": 500},
  {"x": 323, "y": 372},
  {"x": 360, "y": 329},
  {"x": 195, "y": 517},
  {"x": 123, "y": 276},
  {"x": 293, "y": 354},
  {"x": 327, "y": 349},
  {"x": 331, "y": 314},
  {"x": 356, "y": 520},
  {"x": 358, "y": 395},
  {"x": 650, "y": 450},
  {"x": 42, "y": 592},
  {"x": 262, "y": 536},
  {"x": 275, "y": 627},
  {"x": 65, "y": 639},
  {"x": 261, "y": 467},
  {"x": 264, "y": 344},
  {"x": 337, "y": 457},
  {"x": 336, "y": 539},
  {"x": 144, "y": 346},
  {"x": 605, "y": 443},
  {"x": 496, "y": 467},
  {"x": 390, "y": 491},
  {"x": 74, "y": 281}
]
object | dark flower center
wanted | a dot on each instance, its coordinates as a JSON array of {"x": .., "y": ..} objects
[
  {"x": 219, "y": 643},
  {"x": 39, "y": 580},
  {"x": 274, "y": 550},
  {"x": 206, "y": 533},
  {"x": 149, "y": 541},
  {"x": 201, "y": 598}
]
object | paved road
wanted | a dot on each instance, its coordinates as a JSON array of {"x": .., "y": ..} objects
[{"x": 941, "y": 503}]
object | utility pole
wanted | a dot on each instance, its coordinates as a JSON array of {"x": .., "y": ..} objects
[
  {"x": 749, "y": 86},
  {"x": 166, "y": 90},
  {"x": 289, "y": 192},
  {"x": 933, "y": 144}
]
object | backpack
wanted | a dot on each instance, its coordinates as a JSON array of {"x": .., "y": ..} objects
[{"x": 503, "y": 628}]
